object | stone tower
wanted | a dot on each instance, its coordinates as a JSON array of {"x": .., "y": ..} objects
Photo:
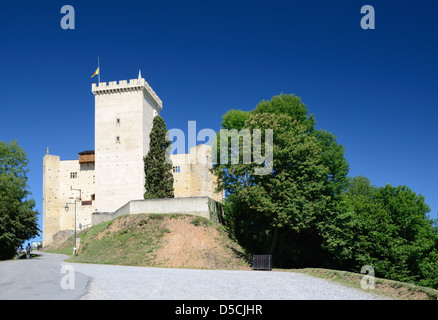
[{"x": 124, "y": 113}]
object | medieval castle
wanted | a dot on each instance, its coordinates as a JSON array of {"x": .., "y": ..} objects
[{"x": 108, "y": 178}]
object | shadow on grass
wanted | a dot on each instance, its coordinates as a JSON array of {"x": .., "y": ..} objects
[{"x": 32, "y": 256}]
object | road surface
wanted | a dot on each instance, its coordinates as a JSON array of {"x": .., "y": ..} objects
[
  {"x": 48, "y": 277},
  {"x": 40, "y": 278}
]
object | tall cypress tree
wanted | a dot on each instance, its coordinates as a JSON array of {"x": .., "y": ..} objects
[{"x": 158, "y": 172}]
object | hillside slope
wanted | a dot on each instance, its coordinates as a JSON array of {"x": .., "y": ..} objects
[{"x": 177, "y": 241}]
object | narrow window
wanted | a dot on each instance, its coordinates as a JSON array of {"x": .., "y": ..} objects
[
  {"x": 118, "y": 122},
  {"x": 118, "y": 140},
  {"x": 73, "y": 175},
  {"x": 176, "y": 169}
]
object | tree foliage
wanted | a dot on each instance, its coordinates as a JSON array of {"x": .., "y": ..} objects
[
  {"x": 18, "y": 219},
  {"x": 392, "y": 232},
  {"x": 290, "y": 211},
  {"x": 158, "y": 171},
  {"x": 307, "y": 213}
]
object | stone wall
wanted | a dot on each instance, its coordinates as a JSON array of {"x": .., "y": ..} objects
[
  {"x": 59, "y": 178},
  {"x": 200, "y": 206},
  {"x": 192, "y": 176}
]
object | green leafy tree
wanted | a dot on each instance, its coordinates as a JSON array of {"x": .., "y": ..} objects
[
  {"x": 392, "y": 232},
  {"x": 307, "y": 212},
  {"x": 158, "y": 171},
  {"x": 18, "y": 219},
  {"x": 293, "y": 212}
]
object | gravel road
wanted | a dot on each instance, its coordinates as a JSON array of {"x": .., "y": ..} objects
[
  {"x": 123, "y": 282},
  {"x": 41, "y": 278}
]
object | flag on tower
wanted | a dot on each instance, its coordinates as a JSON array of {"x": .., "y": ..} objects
[{"x": 96, "y": 72}]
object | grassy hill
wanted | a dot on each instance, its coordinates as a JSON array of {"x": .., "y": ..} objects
[{"x": 177, "y": 241}]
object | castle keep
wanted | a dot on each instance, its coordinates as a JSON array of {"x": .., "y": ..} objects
[{"x": 107, "y": 178}]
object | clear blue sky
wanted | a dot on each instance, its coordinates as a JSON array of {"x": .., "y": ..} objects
[{"x": 376, "y": 90}]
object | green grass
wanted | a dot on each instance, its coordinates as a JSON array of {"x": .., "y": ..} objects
[
  {"x": 132, "y": 243},
  {"x": 199, "y": 221}
]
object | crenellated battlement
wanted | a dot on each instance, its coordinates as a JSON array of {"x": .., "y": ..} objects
[{"x": 125, "y": 86}]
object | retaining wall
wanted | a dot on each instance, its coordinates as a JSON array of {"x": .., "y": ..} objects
[{"x": 200, "y": 206}]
